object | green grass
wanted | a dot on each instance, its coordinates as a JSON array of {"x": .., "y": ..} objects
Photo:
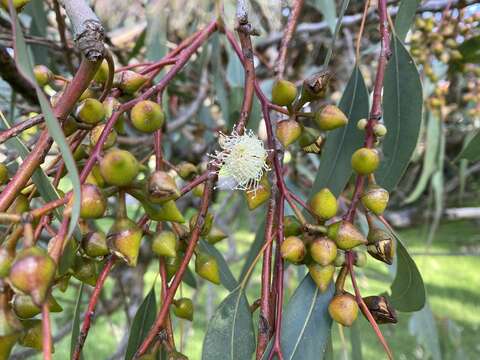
[{"x": 452, "y": 284}]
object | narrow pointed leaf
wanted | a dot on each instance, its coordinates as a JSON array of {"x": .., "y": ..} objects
[
  {"x": 471, "y": 151},
  {"x": 405, "y": 16},
  {"x": 230, "y": 334},
  {"x": 335, "y": 168},
  {"x": 142, "y": 322},
  {"x": 402, "y": 114}
]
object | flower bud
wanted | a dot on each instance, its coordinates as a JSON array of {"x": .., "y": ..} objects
[
  {"x": 343, "y": 309},
  {"x": 311, "y": 141},
  {"x": 314, "y": 87},
  {"x": 6, "y": 259},
  {"x": 93, "y": 203},
  {"x": 43, "y": 75},
  {"x": 321, "y": 275},
  {"x": 324, "y": 204},
  {"x": 330, "y": 118},
  {"x": 32, "y": 273},
  {"x": 216, "y": 235},
  {"x": 183, "y": 308},
  {"x": 24, "y": 307},
  {"x": 165, "y": 244},
  {"x": 291, "y": 226},
  {"x": 380, "y": 130},
  {"x": 293, "y": 249},
  {"x": 161, "y": 188},
  {"x": 147, "y": 116},
  {"x": 206, "y": 266},
  {"x": 119, "y": 167},
  {"x": 375, "y": 199},
  {"x": 323, "y": 251},
  {"x": 3, "y": 174},
  {"x": 381, "y": 310},
  {"x": 365, "y": 161},
  {"x": 207, "y": 223},
  {"x": 130, "y": 81},
  {"x": 90, "y": 111},
  {"x": 288, "y": 131},
  {"x": 362, "y": 124},
  {"x": 95, "y": 135},
  {"x": 260, "y": 195},
  {"x": 101, "y": 75},
  {"x": 86, "y": 270},
  {"x": 380, "y": 245},
  {"x": 346, "y": 235},
  {"x": 186, "y": 170},
  {"x": 95, "y": 177},
  {"x": 32, "y": 336},
  {"x": 283, "y": 92},
  {"x": 124, "y": 240}
]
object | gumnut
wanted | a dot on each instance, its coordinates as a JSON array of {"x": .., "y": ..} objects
[
  {"x": 94, "y": 244},
  {"x": 330, "y": 118},
  {"x": 216, "y": 235},
  {"x": 324, "y": 204},
  {"x": 130, "y": 81},
  {"x": 288, "y": 131},
  {"x": 291, "y": 226},
  {"x": 90, "y": 111},
  {"x": 183, "y": 308},
  {"x": 95, "y": 135},
  {"x": 323, "y": 251},
  {"x": 343, "y": 309},
  {"x": 147, "y": 116},
  {"x": 321, "y": 275},
  {"x": 283, "y": 92},
  {"x": 380, "y": 245},
  {"x": 24, "y": 307},
  {"x": 124, "y": 240},
  {"x": 293, "y": 249},
  {"x": 381, "y": 309},
  {"x": 375, "y": 199},
  {"x": 186, "y": 170},
  {"x": 365, "y": 161},
  {"x": 86, "y": 270},
  {"x": 161, "y": 187},
  {"x": 346, "y": 235},
  {"x": 43, "y": 75},
  {"x": 6, "y": 260},
  {"x": 119, "y": 167},
  {"x": 165, "y": 243},
  {"x": 32, "y": 273},
  {"x": 206, "y": 266},
  {"x": 93, "y": 203}
]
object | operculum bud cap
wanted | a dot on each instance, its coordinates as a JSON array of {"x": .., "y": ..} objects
[
  {"x": 94, "y": 244},
  {"x": 119, "y": 167},
  {"x": 260, "y": 195},
  {"x": 323, "y": 251},
  {"x": 206, "y": 266},
  {"x": 330, "y": 118},
  {"x": 293, "y": 249},
  {"x": 165, "y": 244},
  {"x": 90, "y": 111},
  {"x": 375, "y": 199},
  {"x": 147, "y": 116},
  {"x": 343, "y": 309},
  {"x": 124, "y": 240},
  {"x": 345, "y": 235},
  {"x": 324, "y": 204},
  {"x": 161, "y": 188},
  {"x": 283, "y": 92},
  {"x": 380, "y": 245},
  {"x": 130, "y": 81},
  {"x": 321, "y": 275},
  {"x": 365, "y": 161},
  {"x": 183, "y": 308},
  {"x": 288, "y": 131}
]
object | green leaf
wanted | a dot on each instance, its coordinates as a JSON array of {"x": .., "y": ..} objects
[
  {"x": 189, "y": 278},
  {"x": 142, "y": 322},
  {"x": 255, "y": 247},
  {"x": 226, "y": 277},
  {"x": 408, "y": 291},
  {"x": 423, "y": 327},
  {"x": 402, "y": 114},
  {"x": 470, "y": 50},
  {"x": 156, "y": 41},
  {"x": 405, "y": 16},
  {"x": 76, "y": 321},
  {"x": 329, "y": 12},
  {"x": 338, "y": 25},
  {"x": 335, "y": 168},
  {"x": 24, "y": 65},
  {"x": 306, "y": 323},
  {"x": 230, "y": 334},
  {"x": 355, "y": 340},
  {"x": 471, "y": 151},
  {"x": 429, "y": 159},
  {"x": 38, "y": 27}
]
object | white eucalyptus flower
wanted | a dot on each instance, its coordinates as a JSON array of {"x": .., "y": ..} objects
[{"x": 242, "y": 161}]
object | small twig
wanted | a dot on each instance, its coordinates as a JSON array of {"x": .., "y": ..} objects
[{"x": 46, "y": 333}]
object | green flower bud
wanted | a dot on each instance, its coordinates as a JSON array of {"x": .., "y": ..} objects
[
  {"x": 346, "y": 235},
  {"x": 293, "y": 249},
  {"x": 365, "y": 161},
  {"x": 94, "y": 244},
  {"x": 321, "y": 275},
  {"x": 147, "y": 116},
  {"x": 183, "y": 308},
  {"x": 95, "y": 135},
  {"x": 330, "y": 118},
  {"x": 323, "y": 251},
  {"x": 324, "y": 204},
  {"x": 165, "y": 244},
  {"x": 288, "y": 131},
  {"x": 119, "y": 167},
  {"x": 90, "y": 111},
  {"x": 130, "y": 81},
  {"x": 283, "y": 92},
  {"x": 43, "y": 75},
  {"x": 161, "y": 188},
  {"x": 343, "y": 309},
  {"x": 206, "y": 266},
  {"x": 124, "y": 240},
  {"x": 375, "y": 199}
]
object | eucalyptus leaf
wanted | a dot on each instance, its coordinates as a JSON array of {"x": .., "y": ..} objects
[
  {"x": 335, "y": 169},
  {"x": 306, "y": 323},
  {"x": 142, "y": 322},
  {"x": 423, "y": 327},
  {"x": 356, "y": 341},
  {"x": 471, "y": 151},
  {"x": 408, "y": 290},
  {"x": 328, "y": 10},
  {"x": 255, "y": 247},
  {"x": 230, "y": 334},
  {"x": 402, "y": 114},
  {"x": 405, "y": 15}
]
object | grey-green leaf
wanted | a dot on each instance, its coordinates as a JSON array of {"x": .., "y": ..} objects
[
  {"x": 408, "y": 290},
  {"x": 142, "y": 322},
  {"x": 76, "y": 320},
  {"x": 405, "y": 16},
  {"x": 226, "y": 277},
  {"x": 306, "y": 323},
  {"x": 329, "y": 12},
  {"x": 471, "y": 151},
  {"x": 335, "y": 168},
  {"x": 423, "y": 327},
  {"x": 255, "y": 247},
  {"x": 402, "y": 114},
  {"x": 230, "y": 334}
]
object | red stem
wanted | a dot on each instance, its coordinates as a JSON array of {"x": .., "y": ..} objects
[
  {"x": 46, "y": 333},
  {"x": 91, "y": 307}
]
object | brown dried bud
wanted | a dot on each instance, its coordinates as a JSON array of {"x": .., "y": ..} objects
[
  {"x": 381, "y": 310},
  {"x": 161, "y": 188},
  {"x": 380, "y": 245}
]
